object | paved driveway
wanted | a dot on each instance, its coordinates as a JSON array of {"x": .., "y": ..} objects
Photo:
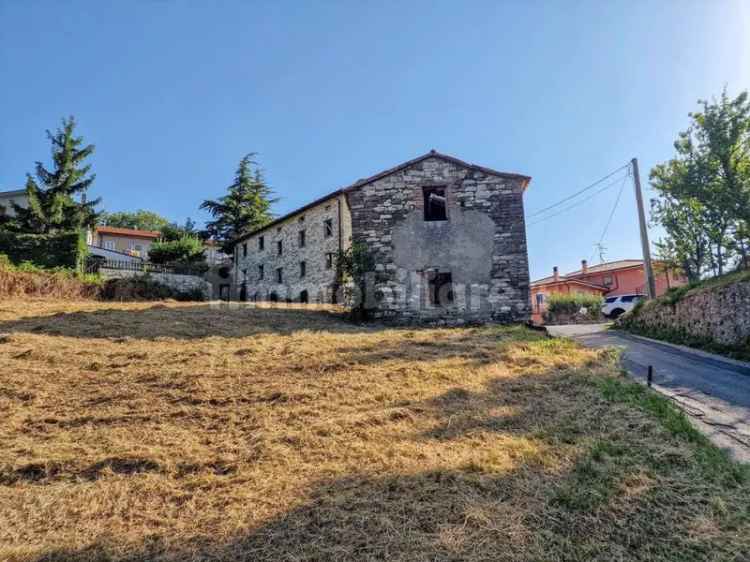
[{"x": 713, "y": 390}]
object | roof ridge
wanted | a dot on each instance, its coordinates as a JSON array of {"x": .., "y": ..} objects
[{"x": 364, "y": 181}]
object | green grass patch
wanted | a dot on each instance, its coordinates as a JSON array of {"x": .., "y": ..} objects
[{"x": 715, "y": 464}]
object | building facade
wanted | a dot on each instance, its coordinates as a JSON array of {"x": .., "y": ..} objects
[
  {"x": 447, "y": 239},
  {"x": 294, "y": 257},
  {"x": 123, "y": 240},
  {"x": 9, "y": 198},
  {"x": 610, "y": 279}
]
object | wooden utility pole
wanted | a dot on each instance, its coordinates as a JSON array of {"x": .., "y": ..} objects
[{"x": 650, "y": 282}]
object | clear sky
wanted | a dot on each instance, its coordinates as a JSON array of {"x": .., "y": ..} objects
[{"x": 173, "y": 93}]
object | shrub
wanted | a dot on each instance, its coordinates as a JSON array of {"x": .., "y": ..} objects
[
  {"x": 30, "y": 280},
  {"x": 64, "y": 249},
  {"x": 186, "y": 250},
  {"x": 570, "y": 304}
]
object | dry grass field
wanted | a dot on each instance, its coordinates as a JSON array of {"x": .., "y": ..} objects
[{"x": 134, "y": 432}]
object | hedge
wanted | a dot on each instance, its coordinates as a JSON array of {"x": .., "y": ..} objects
[{"x": 65, "y": 249}]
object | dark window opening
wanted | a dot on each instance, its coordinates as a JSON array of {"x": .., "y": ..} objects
[
  {"x": 328, "y": 223},
  {"x": 243, "y": 292},
  {"x": 261, "y": 243},
  {"x": 329, "y": 261},
  {"x": 440, "y": 288},
  {"x": 302, "y": 269},
  {"x": 244, "y": 250},
  {"x": 273, "y": 297},
  {"x": 434, "y": 204},
  {"x": 280, "y": 246},
  {"x": 302, "y": 218},
  {"x": 301, "y": 238},
  {"x": 280, "y": 275},
  {"x": 261, "y": 272},
  {"x": 224, "y": 272},
  {"x": 304, "y": 297}
]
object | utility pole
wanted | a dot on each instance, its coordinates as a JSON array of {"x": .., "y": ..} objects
[{"x": 650, "y": 282}]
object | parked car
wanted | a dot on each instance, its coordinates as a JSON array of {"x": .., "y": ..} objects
[{"x": 614, "y": 307}]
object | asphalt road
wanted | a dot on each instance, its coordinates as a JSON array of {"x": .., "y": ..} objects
[{"x": 714, "y": 391}]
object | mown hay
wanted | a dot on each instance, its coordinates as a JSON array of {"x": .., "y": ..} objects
[{"x": 197, "y": 432}]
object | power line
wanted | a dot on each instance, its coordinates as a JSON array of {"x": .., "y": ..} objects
[
  {"x": 614, "y": 208},
  {"x": 576, "y": 204},
  {"x": 577, "y": 193}
]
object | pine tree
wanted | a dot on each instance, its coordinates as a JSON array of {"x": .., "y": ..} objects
[
  {"x": 246, "y": 207},
  {"x": 51, "y": 197}
]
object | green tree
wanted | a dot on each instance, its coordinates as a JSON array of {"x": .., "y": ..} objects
[
  {"x": 704, "y": 192},
  {"x": 245, "y": 207},
  {"x": 354, "y": 269},
  {"x": 185, "y": 250},
  {"x": 140, "y": 219},
  {"x": 51, "y": 196}
]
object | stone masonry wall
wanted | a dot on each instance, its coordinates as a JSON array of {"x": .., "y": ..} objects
[
  {"x": 181, "y": 283},
  {"x": 318, "y": 278},
  {"x": 482, "y": 244},
  {"x": 716, "y": 314}
]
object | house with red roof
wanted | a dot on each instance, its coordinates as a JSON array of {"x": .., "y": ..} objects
[
  {"x": 621, "y": 277},
  {"x": 129, "y": 241}
]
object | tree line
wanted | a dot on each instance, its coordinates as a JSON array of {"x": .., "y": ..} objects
[
  {"x": 57, "y": 202},
  {"x": 703, "y": 193}
]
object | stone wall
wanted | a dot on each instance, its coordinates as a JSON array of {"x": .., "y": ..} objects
[
  {"x": 719, "y": 315},
  {"x": 180, "y": 283},
  {"x": 482, "y": 244},
  {"x": 319, "y": 254}
]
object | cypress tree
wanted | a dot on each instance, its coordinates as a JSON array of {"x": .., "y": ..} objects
[{"x": 245, "y": 207}]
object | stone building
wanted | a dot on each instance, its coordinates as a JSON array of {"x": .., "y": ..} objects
[{"x": 447, "y": 237}]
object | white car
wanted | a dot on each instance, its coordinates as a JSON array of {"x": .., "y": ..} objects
[{"x": 614, "y": 307}]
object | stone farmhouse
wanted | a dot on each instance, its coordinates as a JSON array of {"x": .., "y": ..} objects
[{"x": 448, "y": 240}]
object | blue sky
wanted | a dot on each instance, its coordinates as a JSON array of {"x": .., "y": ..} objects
[{"x": 174, "y": 93}]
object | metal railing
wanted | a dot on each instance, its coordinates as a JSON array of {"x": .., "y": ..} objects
[{"x": 95, "y": 265}]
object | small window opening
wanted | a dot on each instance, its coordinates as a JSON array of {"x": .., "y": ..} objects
[
  {"x": 261, "y": 243},
  {"x": 304, "y": 297},
  {"x": 302, "y": 269},
  {"x": 328, "y": 227},
  {"x": 440, "y": 288},
  {"x": 273, "y": 297},
  {"x": 280, "y": 247},
  {"x": 280, "y": 275},
  {"x": 329, "y": 261},
  {"x": 434, "y": 204},
  {"x": 301, "y": 238},
  {"x": 261, "y": 272},
  {"x": 244, "y": 250}
]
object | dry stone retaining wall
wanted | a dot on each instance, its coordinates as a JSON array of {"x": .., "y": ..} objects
[{"x": 718, "y": 315}]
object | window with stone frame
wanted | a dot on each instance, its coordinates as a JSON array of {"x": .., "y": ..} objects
[
  {"x": 280, "y": 275},
  {"x": 434, "y": 204},
  {"x": 328, "y": 226},
  {"x": 301, "y": 238},
  {"x": 439, "y": 288}
]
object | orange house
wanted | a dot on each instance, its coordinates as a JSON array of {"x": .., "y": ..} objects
[{"x": 622, "y": 277}]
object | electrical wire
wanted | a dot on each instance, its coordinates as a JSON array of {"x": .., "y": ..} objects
[
  {"x": 576, "y": 204},
  {"x": 614, "y": 208},
  {"x": 577, "y": 193}
]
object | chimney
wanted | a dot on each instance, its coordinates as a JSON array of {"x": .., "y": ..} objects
[
  {"x": 584, "y": 267},
  {"x": 555, "y": 274}
]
